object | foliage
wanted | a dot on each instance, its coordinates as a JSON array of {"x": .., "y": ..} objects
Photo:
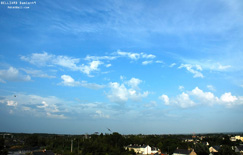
[
  {"x": 201, "y": 149},
  {"x": 226, "y": 150},
  {"x": 109, "y": 144},
  {"x": 3, "y": 151}
]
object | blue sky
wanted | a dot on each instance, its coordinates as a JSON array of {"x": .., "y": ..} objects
[{"x": 150, "y": 67}]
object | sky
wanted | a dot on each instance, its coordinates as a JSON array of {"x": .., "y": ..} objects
[{"x": 135, "y": 67}]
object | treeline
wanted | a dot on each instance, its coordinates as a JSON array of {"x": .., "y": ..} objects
[{"x": 102, "y": 144}]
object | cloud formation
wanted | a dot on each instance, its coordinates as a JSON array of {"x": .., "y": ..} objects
[
  {"x": 13, "y": 74},
  {"x": 92, "y": 63},
  {"x": 69, "y": 81},
  {"x": 50, "y": 60},
  {"x": 100, "y": 114},
  {"x": 120, "y": 93},
  {"x": 37, "y": 73},
  {"x": 135, "y": 56},
  {"x": 199, "y": 97},
  {"x": 35, "y": 105},
  {"x": 147, "y": 62},
  {"x": 194, "y": 69}
]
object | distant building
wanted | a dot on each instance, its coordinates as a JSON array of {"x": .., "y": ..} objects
[
  {"x": 189, "y": 140},
  {"x": 184, "y": 152},
  {"x": 239, "y": 149},
  {"x": 233, "y": 139},
  {"x": 214, "y": 149},
  {"x": 144, "y": 149}
]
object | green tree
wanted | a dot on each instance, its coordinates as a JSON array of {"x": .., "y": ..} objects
[
  {"x": 226, "y": 150},
  {"x": 3, "y": 151},
  {"x": 201, "y": 149},
  {"x": 32, "y": 140}
]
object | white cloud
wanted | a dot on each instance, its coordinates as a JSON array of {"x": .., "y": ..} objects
[
  {"x": 134, "y": 82},
  {"x": 108, "y": 65},
  {"x": 204, "y": 97},
  {"x": 12, "y": 103},
  {"x": 172, "y": 65},
  {"x": 183, "y": 100},
  {"x": 39, "y": 59},
  {"x": 159, "y": 62},
  {"x": 69, "y": 81},
  {"x": 135, "y": 56},
  {"x": 122, "y": 77},
  {"x": 221, "y": 67},
  {"x": 100, "y": 114},
  {"x": 53, "y": 107},
  {"x": 35, "y": 105},
  {"x": 119, "y": 93},
  {"x": 198, "y": 67},
  {"x": 147, "y": 62},
  {"x": 37, "y": 73},
  {"x": 181, "y": 88},
  {"x": 214, "y": 66},
  {"x": 165, "y": 99},
  {"x": 58, "y": 116},
  {"x": 151, "y": 104},
  {"x": 208, "y": 64},
  {"x": 91, "y": 85},
  {"x": 191, "y": 69},
  {"x": 136, "y": 95},
  {"x": 44, "y": 105},
  {"x": 45, "y": 59},
  {"x": 92, "y": 62},
  {"x": 147, "y": 56},
  {"x": 13, "y": 74},
  {"x": 66, "y": 61},
  {"x": 199, "y": 97},
  {"x": 92, "y": 58},
  {"x": 211, "y": 87},
  {"x": 93, "y": 66},
  {"x": 227, "y": 97}
]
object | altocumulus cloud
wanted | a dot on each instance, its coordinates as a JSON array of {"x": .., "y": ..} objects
[
  {"x": 91, "y": 64},
  {"x": 51, "y": 60},
  {"x": 37, "y": 105},
  {"x": 135, "y": 56}
]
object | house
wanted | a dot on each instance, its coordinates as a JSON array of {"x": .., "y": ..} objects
[
  {"x": 144, "y": 149},
  {"x": 239, "y": 149},
  {"x": 189, "y": 140},
  {"x": 233, "y": 139},
  {"x": 184, "y": 152},
  {"x": 214, "y": 149}
]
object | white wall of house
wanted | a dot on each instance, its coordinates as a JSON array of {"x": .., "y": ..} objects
[{"x": 147, "y": 150}]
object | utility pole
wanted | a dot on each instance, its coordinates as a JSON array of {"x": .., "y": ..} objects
[
  {"x": 71, "y": 145},
  {"x": 78, "y": 146}
]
